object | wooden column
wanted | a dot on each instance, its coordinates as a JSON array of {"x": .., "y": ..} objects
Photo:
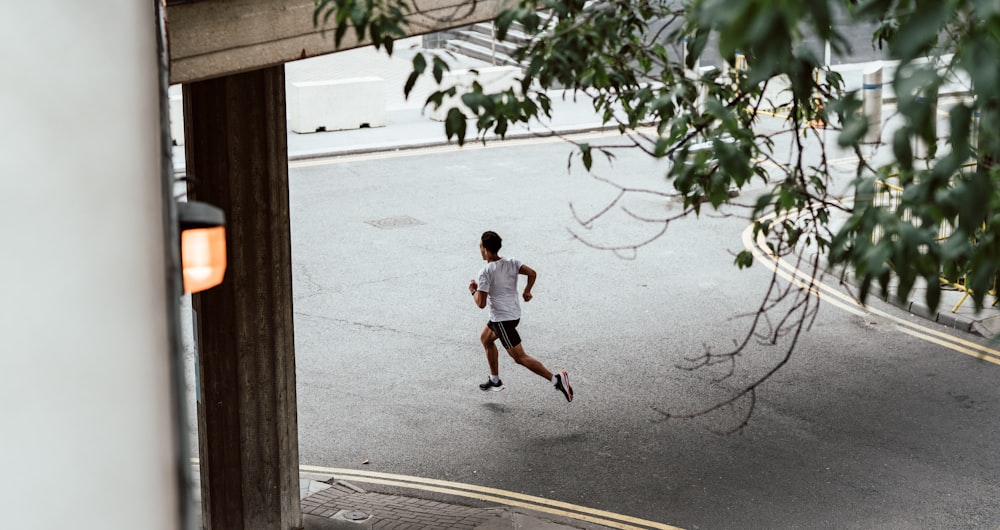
[{"x": 237, "y": 159}]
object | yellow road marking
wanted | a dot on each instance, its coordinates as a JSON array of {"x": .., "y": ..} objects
[
  {"x": 835, "y": 161},
  {"x": 858, "y": 308},
  {"x": 978, "y": 355},
  {"x": 773, "y": 114},
  {"x": 792, "y": 274},
  {"x": 833, "y": 295},
  {"x": 509, "y": 498}
]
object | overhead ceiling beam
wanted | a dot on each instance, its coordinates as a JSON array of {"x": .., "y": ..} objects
[{"x": 213, "y": 38}]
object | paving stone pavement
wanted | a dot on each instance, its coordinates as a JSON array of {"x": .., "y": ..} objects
[
  {"x": 337, "y": 505},
  {"x": 332, "y": 504},
  {"x": 393, "y": 511}
]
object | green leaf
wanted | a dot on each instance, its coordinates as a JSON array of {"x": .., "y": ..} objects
[
  {"x": 338, "y": 34},
  {"x": 436, "y": 99},
  {"x": 501, "y": 128},
  {"x": 744, "y": 259},
  {"x": 439, "y": 68},
  {"x": 586, "y": 155},
  {"x": 902, "y": 150},
  {"x": 419, "y": 65},
  {"x": 660, "y": 149},
  {"x": 960, "y": 120},
  {"x": 454, "y": 125},
  {"x": 475, "y": 100},
  {"x": 696, "y": 46}
]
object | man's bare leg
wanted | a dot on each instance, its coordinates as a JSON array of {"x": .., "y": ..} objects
[
  {"x": 488, "y": 338},
  {"x": 529, "y": 362}
]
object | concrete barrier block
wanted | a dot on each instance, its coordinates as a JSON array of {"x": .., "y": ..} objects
[
  {"x": 491, "y": 78},
  {"x": 316, "y": 106}
]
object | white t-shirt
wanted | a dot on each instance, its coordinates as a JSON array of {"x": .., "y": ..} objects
[{"x": 499, "y": 280}]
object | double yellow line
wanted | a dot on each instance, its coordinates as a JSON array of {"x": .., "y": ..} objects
[
  {"x": 848, "y": 303},
  {"x": 481, "y": 493}
]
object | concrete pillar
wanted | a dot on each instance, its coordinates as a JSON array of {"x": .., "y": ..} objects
[
  {"x": 236, "y": 149},
  {"x": 872, "y": 102}
]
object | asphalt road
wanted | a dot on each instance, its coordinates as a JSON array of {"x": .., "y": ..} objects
[{"x": 864, "y": 427}]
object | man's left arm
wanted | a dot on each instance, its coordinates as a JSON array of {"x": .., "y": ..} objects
[{"x": 531, "y": 274}]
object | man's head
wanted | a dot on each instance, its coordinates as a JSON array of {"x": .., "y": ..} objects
[{"x": 491, "y": 241}]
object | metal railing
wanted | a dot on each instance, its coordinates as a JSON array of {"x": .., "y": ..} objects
[{"x": 888, "y": 195}]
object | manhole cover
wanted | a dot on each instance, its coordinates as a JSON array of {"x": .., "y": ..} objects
[
  {"x": 355, "y": 516},
  {"x": 400, "y": 221}
]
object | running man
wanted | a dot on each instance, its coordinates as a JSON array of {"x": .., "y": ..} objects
[{"x": 497, "y": 288}]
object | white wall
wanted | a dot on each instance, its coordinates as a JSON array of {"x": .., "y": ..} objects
[{"x": 84, "y": 399}]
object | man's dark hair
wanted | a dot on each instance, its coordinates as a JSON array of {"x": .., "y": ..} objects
[{"x": 491, "y": 241}]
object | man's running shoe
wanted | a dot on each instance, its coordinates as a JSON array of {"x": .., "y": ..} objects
[
  {"x": 490, "y": 386},
  {"x": 562, "y": 385}
]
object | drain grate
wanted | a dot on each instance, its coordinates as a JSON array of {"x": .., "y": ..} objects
[
  {"x": 355, "y": 516},
  {"x": 400, "y": 221}
]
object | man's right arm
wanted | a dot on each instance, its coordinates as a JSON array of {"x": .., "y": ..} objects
[{"x": 478, "y": 296}]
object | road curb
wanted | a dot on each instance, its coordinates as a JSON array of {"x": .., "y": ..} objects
[
  {"x": 443, "y": 141},
  {"x": 944, "y": 318},
  {"x": 916, "y": 308}
]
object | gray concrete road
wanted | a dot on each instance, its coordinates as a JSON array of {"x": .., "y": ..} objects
[{"x": 865, "y": 427}]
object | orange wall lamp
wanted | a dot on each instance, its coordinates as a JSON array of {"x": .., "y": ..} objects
[{"x": 203, "y": 245}]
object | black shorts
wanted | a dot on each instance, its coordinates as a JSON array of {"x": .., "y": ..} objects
[{"x": 506, "y": 331}]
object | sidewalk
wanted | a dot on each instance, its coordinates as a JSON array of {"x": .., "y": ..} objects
[
  {"x": 956, "y": 310},
  {"x": 332, "y": 504},
  {"x": 408, "y": 126}
]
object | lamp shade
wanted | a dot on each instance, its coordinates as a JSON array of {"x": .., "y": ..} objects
[{"x": 203, "y": 245}]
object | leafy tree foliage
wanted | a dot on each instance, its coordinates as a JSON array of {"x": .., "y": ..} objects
[{"x": 638, "y": 62}]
